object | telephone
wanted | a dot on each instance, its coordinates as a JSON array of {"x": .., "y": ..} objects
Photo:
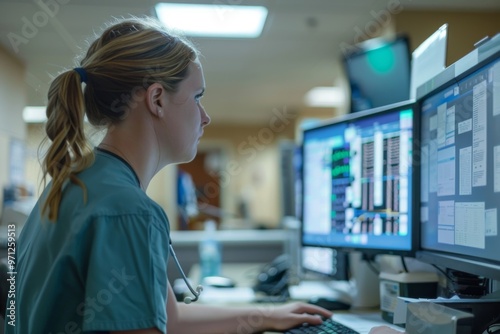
[{"x": 274, "y": 278}]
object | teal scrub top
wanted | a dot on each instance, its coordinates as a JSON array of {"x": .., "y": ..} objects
[{"x": 101, "y": 267}]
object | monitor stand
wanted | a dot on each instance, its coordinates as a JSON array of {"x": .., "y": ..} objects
[{"x": 364, "y": 282}]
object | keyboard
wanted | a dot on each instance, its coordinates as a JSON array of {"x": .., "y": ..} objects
[{"x": 328, "y": 326}]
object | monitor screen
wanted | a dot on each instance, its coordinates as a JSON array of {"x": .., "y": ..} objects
[
  {"x": 357, "y": 182},
  {"x": 378, "y": 72},
  {"x": 460, "y": 173}
]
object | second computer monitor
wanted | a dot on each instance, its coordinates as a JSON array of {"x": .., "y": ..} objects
[
  {"x": 460, "y": 169},
  {"x": 358, "y": 182}
]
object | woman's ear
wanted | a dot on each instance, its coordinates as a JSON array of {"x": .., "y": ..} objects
[{"x": 155, "y": 95}]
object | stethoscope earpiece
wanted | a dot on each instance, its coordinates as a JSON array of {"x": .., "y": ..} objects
[{"x": 189, "y": 300}]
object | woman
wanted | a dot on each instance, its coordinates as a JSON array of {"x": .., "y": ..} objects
[{"x": 93, "y": 254}]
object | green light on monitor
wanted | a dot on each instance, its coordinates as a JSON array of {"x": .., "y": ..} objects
[{"x": 381, "y": 60}]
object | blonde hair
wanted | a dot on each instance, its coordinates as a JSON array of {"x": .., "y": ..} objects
[{"x": 129, "y": 56}]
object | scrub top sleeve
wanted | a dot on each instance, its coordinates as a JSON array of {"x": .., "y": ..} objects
[{"x": 126, "y": 281}]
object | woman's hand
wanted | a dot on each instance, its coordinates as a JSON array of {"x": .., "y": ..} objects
[{"x": 287, "y": 316}]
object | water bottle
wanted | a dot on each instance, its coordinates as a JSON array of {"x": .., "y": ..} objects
[{"x": 210, "y": 252}]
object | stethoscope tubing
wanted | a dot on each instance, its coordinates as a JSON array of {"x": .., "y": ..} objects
[{"x": 199, "y": 288}]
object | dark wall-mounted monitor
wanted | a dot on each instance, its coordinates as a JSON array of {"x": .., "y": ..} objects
[
  {"x": 378, "y": 71},
  {"x": 357, "y": 182}
]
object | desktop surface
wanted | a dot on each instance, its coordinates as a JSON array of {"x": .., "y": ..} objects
[{"x": 359, "y": 319}]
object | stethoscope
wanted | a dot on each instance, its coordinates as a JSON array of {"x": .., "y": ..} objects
[{"x": 199, "y": 288}]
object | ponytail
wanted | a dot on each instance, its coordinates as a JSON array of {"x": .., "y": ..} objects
[{"x": 69, "y": 152}]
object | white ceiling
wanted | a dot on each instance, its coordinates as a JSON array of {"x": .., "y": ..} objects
[{"x": 246, "y": 79}]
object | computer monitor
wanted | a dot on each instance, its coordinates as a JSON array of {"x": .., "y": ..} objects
[
  {"x": 291, "y": 165},
  {"x": 460, "y": 166},
  {"x": 327, "y": 262},
  {"x": 378, "y": 71},
  {"x": 358, "y": 187},
  {"x": 318, "y": 260}
]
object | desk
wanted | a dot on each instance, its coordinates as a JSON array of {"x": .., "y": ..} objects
[
  {"x": 361, "y": 320},
  {"x": 244, "y": 274},
  {"x": 238, "y": 246}
]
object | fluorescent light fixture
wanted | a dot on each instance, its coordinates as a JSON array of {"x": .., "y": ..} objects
[
  {"x": 37, "y": 114},
  {"x": 325, "y": 97},
  {"x": 33, "y": 114},
  {"x": 216, "y": 20}
]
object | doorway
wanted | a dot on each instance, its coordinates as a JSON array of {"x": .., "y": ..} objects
[{"x": 206, "y": 181}]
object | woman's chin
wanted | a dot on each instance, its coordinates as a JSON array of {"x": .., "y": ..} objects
[{"x": 188, "y": 157}]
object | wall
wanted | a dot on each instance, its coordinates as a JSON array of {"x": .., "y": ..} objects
[
  {"x": 4, "y": 163},
  {"x": 12, "y": 95},
  {"x": 12, "y": 102},
  {"x": 34, "y": 136},
  {"x": 251, "y": 166},
  {"x": 464, "y": 28},
  {"x": 162, "y": 189}
]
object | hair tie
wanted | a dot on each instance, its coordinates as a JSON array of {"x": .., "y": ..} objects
[{"x": 83, "y": 74}]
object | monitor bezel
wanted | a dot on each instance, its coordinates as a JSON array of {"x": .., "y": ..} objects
[
  {"x": 362, "y": 48},
  {"x": 463, "y": 263},
  {"x": 452, "y": 260},
  {"x": 415, "y": 195}
]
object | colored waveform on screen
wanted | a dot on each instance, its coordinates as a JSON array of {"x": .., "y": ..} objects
[
  {"x": 340, "y": 170},
  {"x": 340, "y": 155},
  {"x": 340, "y": 162}
]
